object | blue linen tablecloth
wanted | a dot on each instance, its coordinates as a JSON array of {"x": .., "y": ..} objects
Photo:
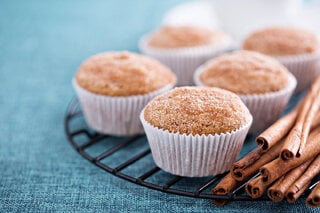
[{"x": 42, "y": 43}]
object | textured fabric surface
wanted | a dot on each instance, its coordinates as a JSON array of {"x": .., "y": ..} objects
[{"x": 42, "y": 43}]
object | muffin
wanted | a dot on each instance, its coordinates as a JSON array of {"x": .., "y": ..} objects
[
  {"x": 113, "y": 88},
  {"x": 262, "y": 83},
  {"x": 196, "y": 131},
  {"x": 184, "y": 48},
  {"x": 295, "y": 48}
]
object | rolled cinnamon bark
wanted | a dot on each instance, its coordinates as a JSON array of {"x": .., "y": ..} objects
[
  {"x": 224, "y": 187},
  {"x": 297, "y": 137},
  {"x": 305, "y": 179},
  {"x": 251, "y": 163},
  {"x": 277, "y": 131},
  {"x": 310, "y": 118},
  {"x": 316, "y": 121},
  {"x": 277, "y": 168},
  {"x": 278, "y": 190},
  {"x": 293, "y": 196},
  {"x": 313, "y": 200},
  {"x": 256, "y": 187}
]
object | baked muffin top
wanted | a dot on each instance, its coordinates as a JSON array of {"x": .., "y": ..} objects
[
  {"x": 197, "y": 110},
  {"x": 244, "y": 73},
  {"x": 184, "y": 36},
  {"x": 123, "y": 74},
  {"x": 282, "y": 41}
]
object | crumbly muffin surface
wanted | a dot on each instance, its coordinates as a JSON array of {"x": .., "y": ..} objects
[
  {"x": 282, "y": 41},
  {"x": 184, "y": 36},
  {"x": 197, "y": 110},
  {"x": 123, "y": 74},
  {"x": 244, "y": 73}
]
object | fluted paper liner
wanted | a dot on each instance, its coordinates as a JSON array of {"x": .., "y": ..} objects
[
  {"x": 194, "y": 155},
  {"x": 114, "y": 115},
  {"x": 184, "y": 61},
  {"x": 303, "y": 67},
  {"x": 265, "y": 108}
]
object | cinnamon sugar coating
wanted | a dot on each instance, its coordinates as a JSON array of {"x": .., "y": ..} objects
[
  {"x": 123, "y": 74},
  {"x": 282, "y": 41},
  {"x": 184, "y": 36},
  {"x": 197, "y": 110},
  {"x": 245, "y": 72}
]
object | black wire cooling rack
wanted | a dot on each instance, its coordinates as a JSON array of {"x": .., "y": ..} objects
[{"x": 130, "y": 158}]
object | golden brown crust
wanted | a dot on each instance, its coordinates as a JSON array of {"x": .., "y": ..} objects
[
  {"x": 282, "y": 41},
  {"x": 197, "y": 110},
  {"x": 184, "y": 36},
  {"x": 123, "y": 74},
  {"x": 245, "y": 72}
]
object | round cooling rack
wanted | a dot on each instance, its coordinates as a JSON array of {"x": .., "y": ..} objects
[{"x": 130, "y": 158}]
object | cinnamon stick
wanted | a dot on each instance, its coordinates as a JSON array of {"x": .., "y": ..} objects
[
  {"x": 316, "y": 121},
  {"x": 313, "y": 200},
  {"x": 251, "y": 163},
  {"x": 297, "y": 137},
  {"x": 277, "y": 168},
  {"x": 305, "y": 179},
  {"x": 312, "y": 114},
  {"x": 278, "y": 190},
  {"x": 292, "y": 197},
  {"x": 224, "y": 187},
  {"x": 256, "y": 187},
  {"x": 277, "y": 131}
]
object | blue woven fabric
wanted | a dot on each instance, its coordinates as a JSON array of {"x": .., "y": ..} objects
[{"x": 42, "y": 43}]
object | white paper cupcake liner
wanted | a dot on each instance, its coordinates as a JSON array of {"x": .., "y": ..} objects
[
  {"x": 303, "y": 67},
  {"x": 184, "y": 61},
  {"x": 265, "y": 108},
  {"x": 117, "y": 116},
  {"x": 194, "y": 155}
]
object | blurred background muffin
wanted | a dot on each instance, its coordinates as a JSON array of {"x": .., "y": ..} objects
[
  {"x": 262, "y": 83},
  {"x": 113, "y": 88},
  {"x": 196, "y": 131},
  {"x": 169, "y": 37},
  {"x": 295, "y": 48},
  {"x": 184, "y": 48}
]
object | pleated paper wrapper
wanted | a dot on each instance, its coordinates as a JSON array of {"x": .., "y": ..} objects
[
  {"x": 117, "y": 116},
  {"x": 194, "y": 156},
  {"x": 184, "y": 61},
  {"x": 303, "y": 67},
  {"x": 265, "y": 108}
]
